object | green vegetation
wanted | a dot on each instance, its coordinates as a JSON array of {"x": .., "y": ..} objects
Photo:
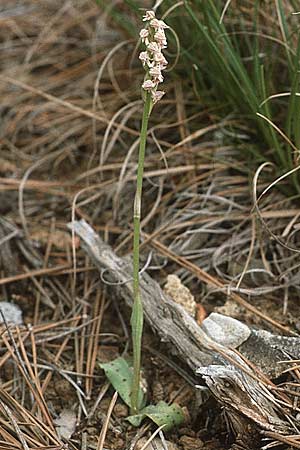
[
  {"x": 235, "y": 65},
  {"x": 121, "y": 376},
  {"x": 137, "y": 308}
]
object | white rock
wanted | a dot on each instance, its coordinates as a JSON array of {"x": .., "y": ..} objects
[
  {"x": 11, "y": 312},
  {"x": 66, "y": 423},
  {"x": 226, "y": 330}
]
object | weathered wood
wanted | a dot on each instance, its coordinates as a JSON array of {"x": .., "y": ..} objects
[
  {"x": 229, "y": 378},
  {"x": 172, "y": 323}
]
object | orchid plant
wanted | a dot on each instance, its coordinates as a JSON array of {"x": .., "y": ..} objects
[
  {"x": 154, "y": 62},
  {"x": 119, "y": 371}
]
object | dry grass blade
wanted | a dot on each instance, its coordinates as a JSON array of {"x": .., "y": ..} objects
[
  {"x": 156, "y": 432},
  {"x": 105, "y": 425},
  {"x": 30, "y": 431}
]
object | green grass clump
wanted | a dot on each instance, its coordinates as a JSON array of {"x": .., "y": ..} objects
[
  {"x": 236, "y": 64},
  {"x": 252, "y": 54}
]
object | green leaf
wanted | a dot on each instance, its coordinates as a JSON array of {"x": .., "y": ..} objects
[
  {"x": 120, "y": 374},
  {"x": 162, "y": 414}
]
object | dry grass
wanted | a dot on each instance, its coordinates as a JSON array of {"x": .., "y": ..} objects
[{"x": 70, "y": 115}]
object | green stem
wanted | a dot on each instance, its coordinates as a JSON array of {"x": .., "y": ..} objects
[{"x": 137, "y": 308}]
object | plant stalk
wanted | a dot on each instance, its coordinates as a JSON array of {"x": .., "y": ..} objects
[{"x": 137, "y": 309}]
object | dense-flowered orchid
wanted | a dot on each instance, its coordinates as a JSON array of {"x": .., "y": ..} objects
[
  {"x": 154, "y": 39},
  {"x": 153, "y": 60}
]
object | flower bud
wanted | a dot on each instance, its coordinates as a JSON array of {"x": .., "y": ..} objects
[
  {"x": 157, "y": 95},
  {"x": 149, "y": 15}
]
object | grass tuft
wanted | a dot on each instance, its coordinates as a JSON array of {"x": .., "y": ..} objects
[{"x": 236, "y": 59}]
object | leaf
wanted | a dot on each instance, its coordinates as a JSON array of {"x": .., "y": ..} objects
[
  {"x": 161, "y": 414},
  {"x": 120, "y": 374}
]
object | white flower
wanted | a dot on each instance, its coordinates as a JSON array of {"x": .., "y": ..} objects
[
  {"x": 144, "y": 33},
  {"x": 161, "y": 60},
  {"x": 160, "y": 38},
  {"x": 155, "y": 72},
  {"x": 157, "y": 95},
  {"x": 153, "y": 47},
  {"x": 148, "y": 85},
  {"x": 162, "y": 24},
  {"x": 144, "y": 57},
  {"x": 149, "y": 15},
  {"x": 158, "y": 24}
]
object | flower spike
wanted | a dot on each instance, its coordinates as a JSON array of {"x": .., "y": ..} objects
[{"x": 153, "y": 60}]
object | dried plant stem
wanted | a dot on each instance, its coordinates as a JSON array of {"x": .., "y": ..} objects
[{"x": 137, "y": 309}]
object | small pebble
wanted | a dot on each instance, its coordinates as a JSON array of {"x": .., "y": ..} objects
[
  {"x": 180, "y": 294},
  {"x": 11, "y": 312},
  {"x": 121, "y": 410},
  {"x": 191, "y": 443},
  {"x": 66, "y": 423}
]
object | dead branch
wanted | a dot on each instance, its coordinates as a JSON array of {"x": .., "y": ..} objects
[{"x": 246, "y": 396}]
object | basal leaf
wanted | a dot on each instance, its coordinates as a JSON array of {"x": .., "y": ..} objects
[
  {"x": 120, "y": 374},
  {"x": 162, "y": 414}
]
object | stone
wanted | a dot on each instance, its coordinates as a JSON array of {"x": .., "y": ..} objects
[
  {"x": 180, "y": 294},
  {"x": 225, "y": 330},
  {"x": 11, "y": 312}
]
